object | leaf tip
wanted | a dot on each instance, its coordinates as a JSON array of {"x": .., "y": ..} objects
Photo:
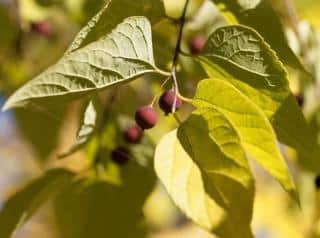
[{"x": 7, "y": 105}]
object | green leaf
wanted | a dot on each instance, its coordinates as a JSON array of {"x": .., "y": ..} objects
[
  {"x": 25, "y": 202},
  {"x": 208, "y": 179},
  {"x": 100, "y": 209},
  {"x": 87, "y": 129},
  {"x": 240, "y": 55},
  {"x": 262, "y": 17},
  {"x": 239, "y": 49},
  {"x": 123, "y": 55},
  {"x": 255, "y": 131},
  {"x": 113, "y": 13}
]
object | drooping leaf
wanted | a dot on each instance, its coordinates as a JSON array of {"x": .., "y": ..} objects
[
  {"x": 113, "y": 13},
  {"x": 87, "y": 128},
  {"x": 260, "y": 15},
  {"x": 239, "y": 55},
  {"x": 25, "y": 202},
  {"x": 209, "y": 179},
  {"x": 100, "y": 209},
  {"x": 123, "y": 55},
  {"x": 255, "y": 131}
]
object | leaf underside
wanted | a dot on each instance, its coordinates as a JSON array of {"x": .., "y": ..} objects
[{"x": 121, "y": 56}]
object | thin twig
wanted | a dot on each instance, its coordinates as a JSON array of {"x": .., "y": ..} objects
[
  {"x": 177, "y": 53},
  {"x": 161, "y": 87},
  {"x": 178, "y": 45},
  {"x": 18, "y": 39}
]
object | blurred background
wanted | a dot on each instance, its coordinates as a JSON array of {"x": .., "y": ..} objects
[{"x": 35, "y": 33}]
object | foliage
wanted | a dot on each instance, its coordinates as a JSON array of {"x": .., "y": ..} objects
[{"x": 243, "y": 109}]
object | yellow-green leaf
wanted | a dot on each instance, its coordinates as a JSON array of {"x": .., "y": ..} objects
[
  {"x": 207, "y": 175},
  {"x": 239, "y": 55},
  {"x": 255, "y": 131}
]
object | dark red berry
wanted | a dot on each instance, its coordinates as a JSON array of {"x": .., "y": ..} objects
[
  {"x": 166, "y": 101},
  {"x": 300, "y": 99},
  {"x": 132, "y": 134},
  {"x": 43, "y": 27},
  {"x": 120, "y": 155},
  {"x": 146, "y": 117},
  {"x": 196, "y": 44},
  {"x": 317, "y": 182}
]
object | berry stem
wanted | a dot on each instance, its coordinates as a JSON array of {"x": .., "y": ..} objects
[
  {"x": 159, "y": 93},
  {"x": 189, "y": 100},
  {"x": 177, "y": 51}
]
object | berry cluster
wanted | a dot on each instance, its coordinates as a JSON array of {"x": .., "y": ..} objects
[
  {"x": 146, "y": 118},
  {"x": 131, "y": 135}
]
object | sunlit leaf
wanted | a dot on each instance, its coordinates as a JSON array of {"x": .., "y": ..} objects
[
  {"x": 123, "y": 55},
  {"x": 255, "y": 131},
  {"x": 240, "y": 55},
  {"x": 208, "y": 178}
]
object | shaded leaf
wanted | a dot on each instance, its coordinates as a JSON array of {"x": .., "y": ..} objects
[
  {"x": 123, "y": 55},
  {"x": 202, "y": 176},
  {"x": 255, "y": 131},
  {"x": 8, "y": 31},
  {"x": 239, "y": 55},
  {"x": 100, "y": 209},
  {"x": 87, "y": 129},
  {"x": 304, "y": 158},
  {"x": 40, "y": 128},
  {"x": 25, "y": 202}
]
